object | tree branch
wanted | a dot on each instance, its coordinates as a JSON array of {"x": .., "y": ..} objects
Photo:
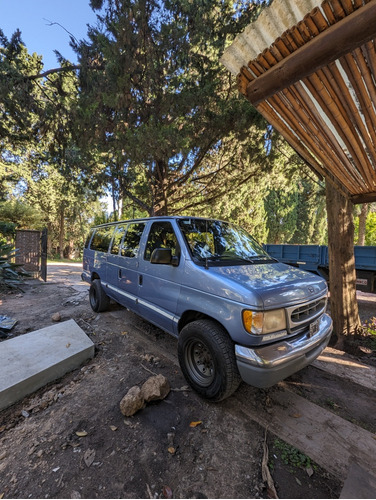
[
  {"x": 55, "y": 70},
  {"x": 136, "y": 200},
  {"x": 72, "y": 67}
]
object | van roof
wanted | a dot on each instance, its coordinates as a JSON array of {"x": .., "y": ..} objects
[{"x": 159, "y": 217}]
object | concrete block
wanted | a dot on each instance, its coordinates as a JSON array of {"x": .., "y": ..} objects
[{"x": 30, "y": 361}]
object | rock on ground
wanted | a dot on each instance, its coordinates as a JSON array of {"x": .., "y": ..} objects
[
  {"x": 132, "y": 402},
  {"x": 154, "y": 388}
]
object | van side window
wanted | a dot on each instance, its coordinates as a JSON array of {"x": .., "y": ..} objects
[
  {"x": 102, "y": 238},
  {"x": 131, "y": 243},
  {"x": 161, "y": 235},
  {"x": 118, "y": 236}
]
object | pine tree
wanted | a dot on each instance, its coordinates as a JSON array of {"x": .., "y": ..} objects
[{"x": 161, "y": 106}]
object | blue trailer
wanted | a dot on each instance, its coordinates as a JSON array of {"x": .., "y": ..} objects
[{"x": 315, "y": 258}]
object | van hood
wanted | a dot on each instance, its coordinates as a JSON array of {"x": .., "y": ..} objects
[{"x": 270, "y": 285}]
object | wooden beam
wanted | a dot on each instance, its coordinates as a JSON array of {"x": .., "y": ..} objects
[
  {"x": 363, "y": 198},
  {"x": 351, "y": 32}
]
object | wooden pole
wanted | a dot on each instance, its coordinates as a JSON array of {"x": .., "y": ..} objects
[{"x": 342, "y": 276}]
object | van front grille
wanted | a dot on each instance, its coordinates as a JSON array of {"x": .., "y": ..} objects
[{"x": 302, "y": 315}]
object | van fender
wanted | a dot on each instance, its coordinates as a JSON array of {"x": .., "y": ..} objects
[{"x": 195, "y": 304}]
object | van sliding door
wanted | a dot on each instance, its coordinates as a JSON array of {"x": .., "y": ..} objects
[{"x": 159, "y": 284}]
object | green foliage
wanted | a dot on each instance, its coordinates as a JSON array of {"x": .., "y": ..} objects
[
  {"x": 153, "y": 118},
  {"x": 41, "y": 181},
  {"x": 7, "y": 229},
  {"x": 19, "y": 95},
  {"x": 162, "y": 108},
  {"x": 21, "y": 214},
  {"x": 292, "y": 456},
  {"x": 281, "y": 202},
  {"x": 282, "y": 217},
  {"x": 370, "y": 238},
  {"x": 295, "y": 205},
  {"x": 370, "y": 326},
  {"x": 245, "y": 207}
]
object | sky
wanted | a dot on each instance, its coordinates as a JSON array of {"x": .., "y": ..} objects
[{"x": 32, "y": 18}]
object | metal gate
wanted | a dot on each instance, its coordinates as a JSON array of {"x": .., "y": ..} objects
[
  {"x": 32, "y": 251},
  {"x": 43, "y": 253}
]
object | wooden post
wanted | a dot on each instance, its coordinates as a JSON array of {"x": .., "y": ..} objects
[{"x": 342, "y": 276}]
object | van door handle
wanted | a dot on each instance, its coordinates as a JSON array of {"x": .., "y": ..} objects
[
  {"x": 140, "y": 279},
  {"x": 119, "y": 274}
]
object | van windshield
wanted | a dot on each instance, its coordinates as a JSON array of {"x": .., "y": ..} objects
[{"x": 214, "y": 242}]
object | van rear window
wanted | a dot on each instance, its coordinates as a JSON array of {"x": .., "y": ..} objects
[{"x": 102, "y": 238}]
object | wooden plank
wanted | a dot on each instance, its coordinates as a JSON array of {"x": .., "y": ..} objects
[
  {"x": 351, "y": 32},
  {"x": 339, "y": 364},
  {"x": 359, "y": 484},
  {"x": 328, "y": 439}
]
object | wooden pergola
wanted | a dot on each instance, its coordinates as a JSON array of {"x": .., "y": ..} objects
[
  {"x": 315, "y": 82},
  {"x": 309, "y": 67}
]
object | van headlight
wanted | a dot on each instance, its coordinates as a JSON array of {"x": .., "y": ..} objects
[{"x": 260, "y": 323}]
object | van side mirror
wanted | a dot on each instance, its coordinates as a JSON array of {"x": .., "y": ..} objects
[{"x": 164, "y": 256}]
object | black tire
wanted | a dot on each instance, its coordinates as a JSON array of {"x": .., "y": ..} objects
[
  {"x": 99, "y": 301},
  {"x": 207, "y": 359}
]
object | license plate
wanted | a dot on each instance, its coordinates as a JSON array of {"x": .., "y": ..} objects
[
  {"x": 313, "y": 328},
  {"x": 362, "y": 282}
]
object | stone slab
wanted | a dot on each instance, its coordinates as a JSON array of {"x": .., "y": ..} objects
[{"x": 30, "y": 361}]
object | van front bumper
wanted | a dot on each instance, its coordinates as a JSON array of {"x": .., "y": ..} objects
[{"x": 265, "y": 366}]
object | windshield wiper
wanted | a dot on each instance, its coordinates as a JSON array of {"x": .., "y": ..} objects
[
  {"x": 251, "y": 260},
  {"x": 256, "y": 258},
  {"x": 266, "y": 258}
]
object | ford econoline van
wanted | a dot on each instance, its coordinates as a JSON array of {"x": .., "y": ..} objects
[{"x": 238, "y": 314}]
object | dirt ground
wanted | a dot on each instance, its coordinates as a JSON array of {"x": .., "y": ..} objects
[{"x": 156, "y": 453}]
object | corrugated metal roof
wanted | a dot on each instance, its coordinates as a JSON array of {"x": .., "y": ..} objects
[{"x": 329, "y": 115}]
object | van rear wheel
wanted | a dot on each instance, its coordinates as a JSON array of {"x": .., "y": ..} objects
[
  {"x": 99, "y": 301},
  {"x": 207, "y": 359}
]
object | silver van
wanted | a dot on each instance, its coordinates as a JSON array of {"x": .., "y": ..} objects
[{"x": 238, "y": 314}]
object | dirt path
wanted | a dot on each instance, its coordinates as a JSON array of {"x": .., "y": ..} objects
[{"x": 41, "y": 456}]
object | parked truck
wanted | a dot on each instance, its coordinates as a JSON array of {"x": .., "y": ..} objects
[{"x": 315, "y": 258}]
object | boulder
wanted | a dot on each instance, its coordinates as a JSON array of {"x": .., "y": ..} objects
[
  {"x": 154, "y": 388},
  {"x": 132, "y": 402},
  {"x": 56, "y": 317}
]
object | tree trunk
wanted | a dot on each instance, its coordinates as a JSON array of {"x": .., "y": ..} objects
[
  {"x": 120, "y": 209},
  {"x": 49, "y": 240},
  {"x": 61, "y": 233},
  {"x": 160, "y": 194},
  {"x": 362, "y": 224},
  {"x": 342, "y": 276}
]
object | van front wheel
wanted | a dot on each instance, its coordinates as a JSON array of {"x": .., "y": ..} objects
[
  {"x": 207, "y": 359},
  {"x": 99, "y": 301}
]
